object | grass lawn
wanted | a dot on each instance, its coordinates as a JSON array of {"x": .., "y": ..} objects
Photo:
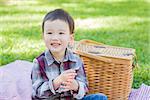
[{"x": 114, "y": 22}]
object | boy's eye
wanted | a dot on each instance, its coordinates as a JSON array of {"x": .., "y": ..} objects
[
  {"x": 61, "y": 33},
  {"x": 49, "y": 33}
]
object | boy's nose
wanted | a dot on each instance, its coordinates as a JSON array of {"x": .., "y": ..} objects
[{"x": 55, "y": 36}]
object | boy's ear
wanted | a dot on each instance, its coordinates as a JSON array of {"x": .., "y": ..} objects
[{"x": 71, "y": 39}]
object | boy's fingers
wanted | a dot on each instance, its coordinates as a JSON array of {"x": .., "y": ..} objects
[
  {"x": 70, "y": 80},
  {"x": 70, "y": 71},
  {"x": 70, "y": 77},
  {"x": 71, "y": 74}
]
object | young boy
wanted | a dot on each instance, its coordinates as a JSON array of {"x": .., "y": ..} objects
[{"x": 58, "y": 73}]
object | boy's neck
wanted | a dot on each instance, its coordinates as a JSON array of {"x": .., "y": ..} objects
[{"x": 58, "y": 56}]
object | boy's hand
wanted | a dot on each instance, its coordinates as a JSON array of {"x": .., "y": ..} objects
[
  {"x": 67, "y": 75},
  {"x": 70, "y": 85}
]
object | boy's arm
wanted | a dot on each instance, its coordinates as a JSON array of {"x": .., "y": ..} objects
[
  {"x": 78, "y": 86},
  {"x": 41, "y": 88},
  {"x": 82, "y": 81}
]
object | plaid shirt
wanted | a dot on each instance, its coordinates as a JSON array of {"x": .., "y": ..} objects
[{"x": 44, "y": 90}]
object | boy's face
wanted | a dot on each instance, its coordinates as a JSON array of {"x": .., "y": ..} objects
[{"x": 57, "y": 35}]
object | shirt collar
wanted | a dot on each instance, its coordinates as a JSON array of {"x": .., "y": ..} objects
[{"x": 69, "y": 56}]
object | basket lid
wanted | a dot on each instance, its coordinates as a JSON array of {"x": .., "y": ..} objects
[{"x": 104, "y": 50}]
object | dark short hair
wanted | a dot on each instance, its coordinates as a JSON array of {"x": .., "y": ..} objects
[{"x": 61, "y": 15}]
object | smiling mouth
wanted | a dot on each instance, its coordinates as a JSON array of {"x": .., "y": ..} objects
[{"x": 55, "y": 44}]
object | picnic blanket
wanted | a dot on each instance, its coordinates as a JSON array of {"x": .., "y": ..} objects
[
  {"x": 15, "y": 83},
  {"x": 143, "y": 93}
]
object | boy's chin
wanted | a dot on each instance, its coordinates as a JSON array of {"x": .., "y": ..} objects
[{"x": 56, "y": 51}]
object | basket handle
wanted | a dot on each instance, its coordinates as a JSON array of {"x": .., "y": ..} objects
[{"x": 135, "y": 62}]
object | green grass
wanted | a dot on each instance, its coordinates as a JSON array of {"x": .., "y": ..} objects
[{"x": 122, "y": 23}]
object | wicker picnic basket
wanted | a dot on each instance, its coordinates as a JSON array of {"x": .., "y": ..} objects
[{"x": 108, "y": 68}]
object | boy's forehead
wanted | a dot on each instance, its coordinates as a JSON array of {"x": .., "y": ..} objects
[
  {"x": 57, "y": 21},
  {"x": 56, "y": 25}
]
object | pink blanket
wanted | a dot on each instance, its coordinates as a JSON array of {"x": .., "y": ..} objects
[
  {"x": 143, "y": 93},
  {"x": 15, "y": 83}
]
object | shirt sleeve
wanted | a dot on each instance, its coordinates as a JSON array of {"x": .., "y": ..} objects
[
  {"x": 41, "y": 88},
  {"x": 82, "y": 80}
]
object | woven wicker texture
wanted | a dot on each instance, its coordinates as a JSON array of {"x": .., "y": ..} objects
[{"x": 108, "y": 68}]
